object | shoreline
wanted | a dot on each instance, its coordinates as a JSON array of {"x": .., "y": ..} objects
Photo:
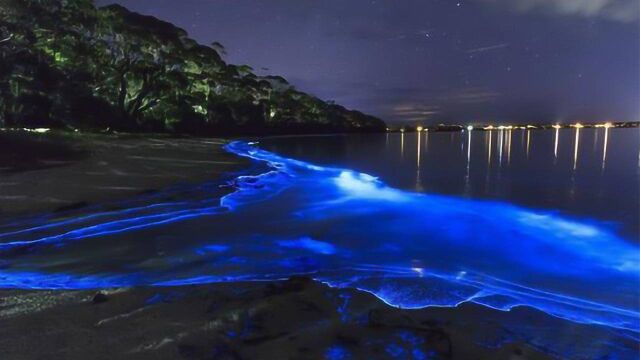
[
  {"x": 298, "y": 318},
  {"x": 443, "y": 332},
  {"x": 108, "y": 169}
]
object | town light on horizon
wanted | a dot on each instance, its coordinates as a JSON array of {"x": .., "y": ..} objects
[{"x": 505, "y": 127}]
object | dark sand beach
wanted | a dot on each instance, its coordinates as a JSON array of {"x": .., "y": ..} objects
[
  {"x": 293, "y": 319},
  {"x": 60, "y": 171}
]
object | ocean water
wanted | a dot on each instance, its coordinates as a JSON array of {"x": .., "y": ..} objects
[
  {"x": 590, "y": 173},
  {"x": 542, "y": 219}
]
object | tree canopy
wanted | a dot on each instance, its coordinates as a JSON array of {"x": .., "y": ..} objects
[{"x": 66, "y": 63}]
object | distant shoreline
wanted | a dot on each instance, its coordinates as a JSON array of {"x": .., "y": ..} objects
[{"x": 489, "y": 127}]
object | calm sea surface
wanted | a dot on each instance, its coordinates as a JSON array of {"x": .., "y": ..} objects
[{"x": 593, "y": 173}]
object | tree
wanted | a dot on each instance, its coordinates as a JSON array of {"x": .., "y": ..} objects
[{"x": 66, "y": 63}]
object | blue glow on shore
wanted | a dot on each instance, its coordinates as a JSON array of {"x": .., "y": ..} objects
[
  {"x": 115, "y": 226},
  {"x": 349, "y": 230},
  {"x": 212, "y": 249},
  {"x": 316, "y": 246}
]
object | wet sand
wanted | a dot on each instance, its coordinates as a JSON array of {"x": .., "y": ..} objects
[
  {"x": 62, "y": 171},
  {"x": 294, "y": 319}
]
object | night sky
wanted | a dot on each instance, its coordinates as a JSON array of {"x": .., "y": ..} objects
[{"x": 434, "y": 60}]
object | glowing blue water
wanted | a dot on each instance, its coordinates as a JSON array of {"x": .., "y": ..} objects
[{"x": 350, "y": 230}]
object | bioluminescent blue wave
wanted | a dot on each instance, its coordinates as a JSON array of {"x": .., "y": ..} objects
[{"x": 350, "y": 230}]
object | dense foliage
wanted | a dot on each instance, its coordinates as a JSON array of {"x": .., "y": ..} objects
[{"x": 65, "y": 63}]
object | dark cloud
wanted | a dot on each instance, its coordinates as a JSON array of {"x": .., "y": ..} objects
[{"x": 617, "y": 10}]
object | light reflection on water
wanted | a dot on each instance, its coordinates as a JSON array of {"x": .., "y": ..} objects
[
  {"x": 576, "y": 146},
  {"x": 550, "y": 169}
]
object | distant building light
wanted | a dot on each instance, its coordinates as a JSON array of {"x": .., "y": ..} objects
[
  {"x": 578, "y": 126},
  {"x": 556, "y": 126},
  {"x": 608, "y": 125},
  {"x": 37, "y": 130},
  {"x": 469, "y": 127},
  {"x": 419, "y": 128}
]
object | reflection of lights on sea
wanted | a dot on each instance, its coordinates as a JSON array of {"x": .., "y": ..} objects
[
  {"x": 500, "y": 144},
  {"x": 402, "y": 143},
  {"x": 528, "y": 142},
  {"x": 468, "y": 148},
  {"x": 418, "y": 151},
  {"x": 555, "y": 145},
  {"x": 490, "y": 145},
  {"x": 577, "y": 144},
  {"x": 509, "y": 147},
  {"x": 604, "y": 148},
  {"x": 466, "y": 178}
]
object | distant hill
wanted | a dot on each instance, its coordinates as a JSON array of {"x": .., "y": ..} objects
[{"x": 66, "y": 63}]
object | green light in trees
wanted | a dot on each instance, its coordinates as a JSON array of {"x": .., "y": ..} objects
[{"x": 199, "y": 109}]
